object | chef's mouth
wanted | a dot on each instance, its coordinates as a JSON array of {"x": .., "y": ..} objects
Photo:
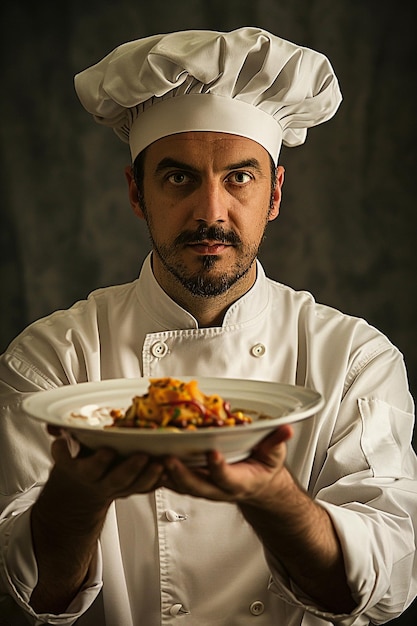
[{"x": 209, "y": 248}]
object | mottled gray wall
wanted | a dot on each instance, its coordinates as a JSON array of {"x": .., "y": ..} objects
[{"x": 347, "y": 230}]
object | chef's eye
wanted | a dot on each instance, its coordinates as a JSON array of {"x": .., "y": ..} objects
[
  {"x": 179, "y": 178},
  {"x": 240, "y": 178}
]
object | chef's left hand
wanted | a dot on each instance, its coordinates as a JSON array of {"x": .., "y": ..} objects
[{"x": 245, "y": 481}]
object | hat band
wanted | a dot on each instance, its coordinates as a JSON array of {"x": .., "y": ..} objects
[{"x": 204, "y": 112}]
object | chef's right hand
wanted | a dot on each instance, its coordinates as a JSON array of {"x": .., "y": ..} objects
[{"x": 97, "y": 477}]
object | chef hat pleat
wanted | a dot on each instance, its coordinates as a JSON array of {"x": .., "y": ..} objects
[{"x": 247, "y": 82}]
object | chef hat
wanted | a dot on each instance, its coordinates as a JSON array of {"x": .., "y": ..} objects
[{"x": 245, "y": 82}]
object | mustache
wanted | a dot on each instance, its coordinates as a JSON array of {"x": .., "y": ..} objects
[{"x": 208, "y": 233}]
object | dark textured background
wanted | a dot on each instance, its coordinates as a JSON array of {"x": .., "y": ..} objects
[{"x": 347, "y": 230}]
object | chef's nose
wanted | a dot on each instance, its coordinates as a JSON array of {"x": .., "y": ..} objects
[{"x": 211, "y": 203}]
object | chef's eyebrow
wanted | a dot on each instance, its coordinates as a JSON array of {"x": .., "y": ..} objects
[
  {"x": 168, "y": 162},
  {"x": 247, "y": 163}
]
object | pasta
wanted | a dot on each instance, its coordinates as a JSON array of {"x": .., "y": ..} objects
[{"x": 171, "y": 403}]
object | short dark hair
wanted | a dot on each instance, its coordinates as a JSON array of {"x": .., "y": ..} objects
[{"x": 138, "y": 170}]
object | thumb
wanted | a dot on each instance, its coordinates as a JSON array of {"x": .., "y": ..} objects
[
  {"x": 60, "y": 451},
  {"x": 271, "y": 450}
]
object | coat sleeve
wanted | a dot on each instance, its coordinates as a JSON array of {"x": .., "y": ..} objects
[
  {"x": 25, "y": 462},
  {"x": 368, "y": 485}
]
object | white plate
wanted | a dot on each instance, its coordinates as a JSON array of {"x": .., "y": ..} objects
[{"x": 285, "y": 404}]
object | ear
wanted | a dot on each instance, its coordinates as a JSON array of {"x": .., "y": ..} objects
[
  {"x": 133, "y": 192},
  {"x": 276, "y": 199}
]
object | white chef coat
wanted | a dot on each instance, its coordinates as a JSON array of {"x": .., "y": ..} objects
[{"x": 168, "y": 559}]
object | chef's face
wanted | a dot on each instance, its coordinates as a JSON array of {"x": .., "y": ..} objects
[{"x": 207, "y": 198}]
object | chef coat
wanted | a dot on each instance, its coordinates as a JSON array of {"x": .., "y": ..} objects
[{"x": 168, "y": 559}]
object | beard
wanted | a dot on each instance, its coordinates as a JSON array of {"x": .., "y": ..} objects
[{"x": 205, "y": 281}]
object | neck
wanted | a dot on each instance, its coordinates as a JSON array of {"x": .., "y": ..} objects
[{"x": 207, "y": 311}]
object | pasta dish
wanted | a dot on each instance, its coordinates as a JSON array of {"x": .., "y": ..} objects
[{"x": 171, "y": 403}]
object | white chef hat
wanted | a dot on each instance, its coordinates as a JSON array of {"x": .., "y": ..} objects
[{"x": 245, "y": 82}]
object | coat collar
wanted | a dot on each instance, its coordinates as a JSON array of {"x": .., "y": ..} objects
[{"x": 170, "y": 315}]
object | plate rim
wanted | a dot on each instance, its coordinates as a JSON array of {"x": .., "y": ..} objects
[{"x": 315, "y": 404}]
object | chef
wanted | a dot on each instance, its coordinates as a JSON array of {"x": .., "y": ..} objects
[{"x": 317, "y": 526}]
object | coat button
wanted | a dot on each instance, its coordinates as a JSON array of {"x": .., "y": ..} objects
[
  {"x": 177, "y": 609},
  {"x": 258, "y": 350},
  {"x": 173, "y": 516},
  {"x": 257, "y": 607},
  {"x": 159, "y": 349}
]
